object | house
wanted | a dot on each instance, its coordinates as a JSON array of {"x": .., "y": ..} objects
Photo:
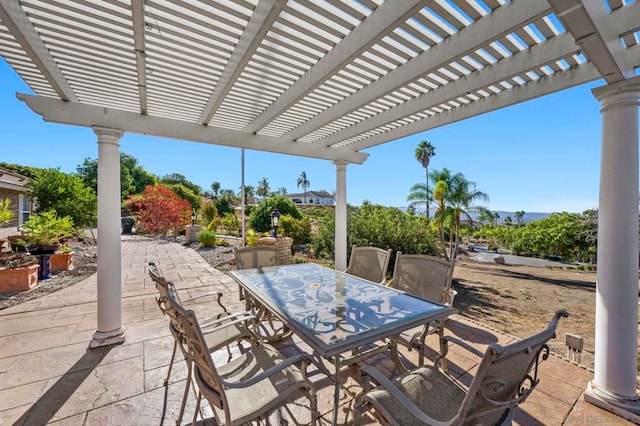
[
  {"x": 313, "y": 197},
  {"x": 14, "y": 187}
]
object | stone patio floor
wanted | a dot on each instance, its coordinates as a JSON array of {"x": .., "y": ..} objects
[{"x": 49, "y": 376}]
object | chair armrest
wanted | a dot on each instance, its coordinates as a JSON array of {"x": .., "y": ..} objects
[
  {"x": 397, "y": 394},
  {"x": 268, "y": 372},
  {"x": 463, "y": 344},
  {"x": 217, "y": 294},
  {"x": 219, "y": 324}
]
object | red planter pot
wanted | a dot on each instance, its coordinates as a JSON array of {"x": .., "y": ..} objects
[
  {"x": 18, "y": 279},
  {"x": 61, "y": 262}
]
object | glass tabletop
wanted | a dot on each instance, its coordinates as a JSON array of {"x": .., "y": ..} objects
[{"x": 333, "y": 306}]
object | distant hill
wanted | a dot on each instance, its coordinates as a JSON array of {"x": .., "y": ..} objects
[{"x": 528, "y": 217}]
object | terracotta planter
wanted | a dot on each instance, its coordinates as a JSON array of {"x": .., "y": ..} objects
[
  {"x": 61, "y": 262},
  {"x": 18, "y": 279}
]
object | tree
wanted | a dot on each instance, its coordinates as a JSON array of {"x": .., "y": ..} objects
[
  {"x": 495, "y": 216},
  {"x": 423, "y": 153},
  {"x": 229, "y": 195},
  {"x": 215, "y": 187},
  {"x": 174, "y": 178},
  {"x": 259, "y": 218},
  {"x": 159, "y": 210},
  {"x": 519, "y": 215},
  {"x": 133, "y": 177},
  {"x": 263, "y": 188},
  {"x": 249, "y": 191},
  {"x": 419, "y": 194},
  {"x": 303, "y": 182},
  {"x": 508, "y": 221},
  {"x": 281, "y": 191},
  {"x": 186, "y": 194},
  {"x": 66, "y": 194},
  {"x": 485, "y": 216},
  {"x": 463, "y": 196}
]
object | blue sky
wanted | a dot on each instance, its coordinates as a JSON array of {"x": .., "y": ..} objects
[{"x": 539, "y": 156}]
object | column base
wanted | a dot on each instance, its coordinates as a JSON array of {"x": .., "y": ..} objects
[
  {"x": 107, "y": 338},
  {"x": 628, "y": 408}
]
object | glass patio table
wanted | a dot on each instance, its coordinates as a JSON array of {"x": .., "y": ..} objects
[{"x": 335, "y": 313}]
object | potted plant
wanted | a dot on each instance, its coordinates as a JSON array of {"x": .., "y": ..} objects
[
  {"x": 45, "y": 232},
  {"x": 43, "y": 235},
  {"x": 18, "y": 272},
  {"x": 62, "y": 260}
]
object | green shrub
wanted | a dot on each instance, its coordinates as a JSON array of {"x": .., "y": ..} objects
[
  {"x": 209, "y": 212},
  {"x": 298, "y": 229},
  {"x": 207, "y": 238},
  {"x": 46, "y": 228},
  {"x": 379, "y": 226},
  {"x": 252, "y": 237},
  {"x": 230, "y": 223},
  {"x": 260, "y": 219}
]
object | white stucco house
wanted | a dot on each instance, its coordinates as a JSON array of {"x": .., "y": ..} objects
[{"x": 313, "y": 197}]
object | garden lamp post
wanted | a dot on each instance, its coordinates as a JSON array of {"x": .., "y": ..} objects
[
  {"x": 193, "y": 217},
  {"x": 275, "y": 221}
]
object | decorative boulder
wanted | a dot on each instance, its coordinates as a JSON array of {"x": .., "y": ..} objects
[{"x": 499, "y": 260}]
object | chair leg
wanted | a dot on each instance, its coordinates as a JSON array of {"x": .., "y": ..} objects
[
  {"x": 186, "y": 392},
  {"x": 173, "y": 357},
  {"x": 195, "y": 413}
]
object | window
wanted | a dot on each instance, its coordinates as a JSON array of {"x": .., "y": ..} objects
[{"x": 25, "y": 208}]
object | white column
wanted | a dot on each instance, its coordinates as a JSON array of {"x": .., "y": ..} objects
[
  {"x": 616, "y": 334},
  {"x": 110, "y": 330},
  {"x": 341, "y": 215}
]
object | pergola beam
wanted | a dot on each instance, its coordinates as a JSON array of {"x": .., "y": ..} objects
[
  {"x": 137, "y": 14},
  {"x": 553, "y": 49},
  {"x": 266, "y": 13},
  {"x": 544, "y": 86},
  {"x": 376, "y": 26},
  {"x": 593, "y": 29},
  {"x": 503, "y": 21},
  {"x": 56, "y": 111},
  {"x": 14, "y": 18}
]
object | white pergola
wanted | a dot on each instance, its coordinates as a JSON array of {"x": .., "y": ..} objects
[{"x": 328, "y": 79}]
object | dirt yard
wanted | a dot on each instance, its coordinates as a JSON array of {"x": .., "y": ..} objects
[{"x": 520, "y": 300}]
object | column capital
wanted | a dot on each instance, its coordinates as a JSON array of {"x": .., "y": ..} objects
[
  {"x": 108, "y": 135},
  {"x": 621, "y": 93},
  {"x": 341, "y": 164}
]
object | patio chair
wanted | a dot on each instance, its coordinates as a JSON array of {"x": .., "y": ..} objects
[
  {"x": 255, "y": 256},
  {"x": 427, "y": 277},
  {"x": 258, "y": 257},
  {"x": 369, "y": 263},
  {"x": 505, "y": 378},
  {"x": 251, "y": 385},
  {"x": 220, "y": 330}
]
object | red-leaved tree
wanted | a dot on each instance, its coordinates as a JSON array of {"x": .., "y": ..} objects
[{"x": 159, "y": 210}]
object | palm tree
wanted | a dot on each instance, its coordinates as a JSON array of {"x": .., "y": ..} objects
[
  {"x": 519, "y": 215},
  {"x": 495, "y": 217},
  {"x": 282, "y": 191},
  {"x": 419, "y": 194},
  {"x": 462, "y": 197},
  {"x": 215, "y": 187},
  {"x": 485, "y": 217},
  {"x": 443, "y": 213},
  {"x": 263, "y": 187},
  {"x": 304, "y": 182},
  {"x": 424, "y": 152},
  {"x": 249, "y": 191}
]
